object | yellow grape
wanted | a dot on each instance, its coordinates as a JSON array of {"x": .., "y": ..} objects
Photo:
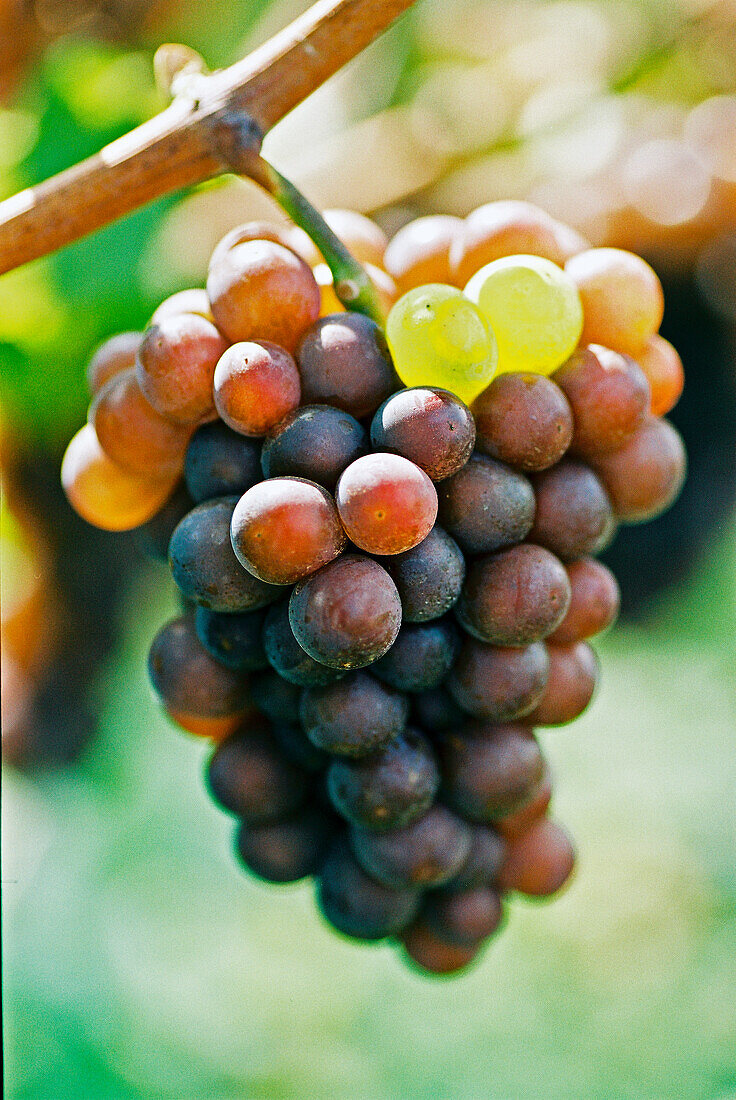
[
  {"x": 437, "y": 337},
  {"x": 534, "y": 309}
]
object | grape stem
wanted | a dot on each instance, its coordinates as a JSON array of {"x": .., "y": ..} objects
[
  {"x": 352, "y": 285},
  {"x": 188, "y": 142}
]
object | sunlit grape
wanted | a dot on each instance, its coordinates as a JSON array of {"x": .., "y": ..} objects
[
  {"x": 438, "y": 338},
  {"x": 534, "y": 310}
]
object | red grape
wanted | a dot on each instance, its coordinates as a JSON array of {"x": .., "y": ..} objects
[
  {"x": 431, "y": 427},
  {"x": 386, "y": 503},
  {"x": 524, "y": 419},
  {"x": 255, "y": 385}
]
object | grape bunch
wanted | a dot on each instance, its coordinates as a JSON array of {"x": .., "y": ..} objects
[{"x": 385, "y": 544}]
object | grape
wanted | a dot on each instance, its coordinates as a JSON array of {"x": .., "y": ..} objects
[
  {"x": 523, "y": 419},
  {"x": 621, "y": 295},
  {"x": 344, "y": 361},
  {"x": 204, "y": 566},
  {"x": 514, "y": 824},
  {"x": 574, "y": 515},
  {"x": 664, "y": 371},
  {"x": 486, "y": 505},
  {"x": 420, "y": 252},
  {"x": 286, "y": 528},
  {"x": 214, "y": 729},
  {"x": 389, "y": 789},
  {"x": 573, "y": 674},
  {"x": 594, "y": 603},
  {"x": 102, "y": 493},
  {"x": 421, "y": 656},
  {"x": 184, "y": 301},
  {"x": 429, "y": 577},
  {"x": 153, "y": 537},
  {"x": 285, "y": 851},
  {"x": 249, "y": 776},
  {"x": 133, "y": 434},
  {"x": 431, "y": 427},
  {"x": 430, "y": 952},
  {"x": 427, "y": 852},
  {"x": 645, "y": 476},
  {"x": 488, "y": 770},
  {"x": 290, "y": 236},
  {"x": 277, "y": 698},
  {"x": 485, "y": 859},
  {"x": 220, "y": 462},
  {"x": 233, "y": 639},
  {"x": 499, "y": 683},
  {"x": 355, "y": 903},
  {"x": 439, "y": 338},
  {"x": 514, "y": 598},
  {"x": 540, "y": 861},
  {"x": 256, "y": 385},
  {"x": 297, "y": 747},
  {"x": 285, "y": 654},
  {"x": 118, "y": 353},
  {"x": 354, "y": 717},
  {"x": 534, "y": 310},
  {"x": 509, "y": 228},
  {"x": 436, "y": 710},
  {"x": 365, "y": 240},
  {"x": 386, "y": 503},
  {"x": 463, "y": 918},
  {"x": 609, "y": 395},
  {"x": 176, "y": 365},
  {"x": 259, "y": 290},
  {"x": 188, "y": 679},
  {"x": 347, "y": 615},
  {"x": 315, "y": 442}
]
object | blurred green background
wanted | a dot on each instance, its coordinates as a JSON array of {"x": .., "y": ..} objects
[{"x": 138, "y": 961}]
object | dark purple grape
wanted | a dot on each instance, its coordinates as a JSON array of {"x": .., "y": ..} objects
[
  {"x": 299, "y": 749},
  {"x": 355, "y": 904},
  {"x": 489, "y": 770},
  {"x": 574, "y": 514},
  {"x": 427, "y": 852},
  {"x": 285, "y": 851},
  {"x": 436, "y": 710},
  {"x": 154, "y": 537},
  {"x": 344, "y": 361},
  {"x": 287, "y": 657},
  {"x": 486, "y": 505},
  {"x": 484, "y": 862},
  {"x": 389, "y": 789},
  {"x": 315, "y": 442},
  {"x": 233, "y": 639},
  {"x": 275, "y": 697},
  {"x": 432, "y": 427},
  {"x": 498, "y": 682},
  {"x": 348, "y": 614},
  {"x": 463, "y": 918},
  {"x": 429, "y": 578},
  {"x": 249, "y": 775},
  {"x": 204, "y": 565},
  {"x": 220, "y": 462},
  {"x": 514, "y": 598},
  {"x": 421, "y": 656},
  {"x": 354, "y": 717},
  {"x": 188, "y": 679}
]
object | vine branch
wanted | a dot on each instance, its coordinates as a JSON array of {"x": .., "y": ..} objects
[{"x": 198, "y": 136}]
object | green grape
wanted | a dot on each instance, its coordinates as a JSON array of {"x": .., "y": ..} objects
[
  {"x": 439, "y": 338},
  {"x": 534, "y": 309}
]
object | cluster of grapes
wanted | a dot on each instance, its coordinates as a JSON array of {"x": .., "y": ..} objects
[{"x": 387, "y": 589}]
